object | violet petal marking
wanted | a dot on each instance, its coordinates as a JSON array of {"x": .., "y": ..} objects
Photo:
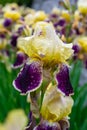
[
  {"x": 76, "y": 48},
  {"x": 61, "y": 22},
  {"x": 29, "y": 78},
  {"x": 20, "y": 29},
  {"x": 14, "y": 38},
  {"x": 7, "y": 22},
  {"x": 20, "y": 60},
  {"x": 63, "y": 80},
  {"x": 44, "y": 125}
]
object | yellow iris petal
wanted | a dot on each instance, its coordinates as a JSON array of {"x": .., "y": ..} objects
[
  {"x": 66, "y": 15},
  {"x": 40, "y": 16},
  {"x": 2, "y": 127},
  {"x": 83, "y": 43},
  {"x": 82, "y": 6},
  {"x": 55, "y": 106},
  {"x": 14, "y": 15},
  {"x": 16, "y": 120},
  {"x": 33, "y": 18},
  {"x": 3, "y": 44},
  {"x": 45, "y": 45}
]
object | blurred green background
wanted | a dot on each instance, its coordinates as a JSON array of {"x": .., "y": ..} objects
[{"x": 20, "y": 2}]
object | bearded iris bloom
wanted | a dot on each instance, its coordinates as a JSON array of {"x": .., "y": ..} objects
[
  {"x": 45, "y": 50},
  {"x": 48, "y": 57}
]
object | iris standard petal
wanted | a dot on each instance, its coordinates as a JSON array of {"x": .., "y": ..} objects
[
  {"x": 29, "y": 78},
  {"x": 45, "y": 45},
  {"x": 63, "y": 80}
]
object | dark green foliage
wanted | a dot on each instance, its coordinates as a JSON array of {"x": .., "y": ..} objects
[
  {"x": 20, "y": 2},
  {"x": 78, "y": 116},
  {"x": 9, "y": 97}
]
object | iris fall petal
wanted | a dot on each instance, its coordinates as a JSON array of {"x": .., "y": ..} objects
[
  {"x": 29, "y": 78},
  {"x": 63, "y": 80}
]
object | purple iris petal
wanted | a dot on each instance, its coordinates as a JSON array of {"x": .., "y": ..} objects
[
  {"x": 76, "y": 48},
  {"x": 61, "y": 22},
  {"x": 53, "y": 16},
  {"x": 44, "y": 125},
  {"x": 63, "y": 80},
  {"x": 7, "y": 22},
  {"x": 63, "y": 31},
  {"x": 20, "y": 60},
  {"x": 77, "y": 31},
  {"x": 22, "y": 18},
  {"x": 14, "y": 38},
  {"x": 85, "y": 61},
  {"x": 20, "y": 29},
  {"x": 2, "y": 36},
  {"x": 29, "y": 78}
]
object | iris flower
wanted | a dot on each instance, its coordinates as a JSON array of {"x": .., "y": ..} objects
[
  {"x": 48, "y": 57},
  {"x": 45, "y": 50}
]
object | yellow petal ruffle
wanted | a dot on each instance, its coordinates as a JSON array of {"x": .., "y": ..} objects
[
  {"x": 82, "y": 6},
  {"x": 45, "y": 45},
  {"x": 83, "y": 43},
  {"x": 55, "y": 106}
]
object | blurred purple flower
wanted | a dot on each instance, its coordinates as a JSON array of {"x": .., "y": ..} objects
[
  {"x": 7, "y": 22},
  {"x": 20, "y": 60}
]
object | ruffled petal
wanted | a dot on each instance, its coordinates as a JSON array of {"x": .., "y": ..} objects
[
  {"x": 45, "y": 45},
  {"x": 63, "y": 80},
  {"x": 29, "y": 78},
  {"x": 55, "y": 105}
]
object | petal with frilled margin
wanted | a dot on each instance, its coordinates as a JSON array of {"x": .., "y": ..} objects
[
  {"x": 55, "y": 105},
  {"x": 29, "y": 78},
  {"x": 63, "y": 80}
]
